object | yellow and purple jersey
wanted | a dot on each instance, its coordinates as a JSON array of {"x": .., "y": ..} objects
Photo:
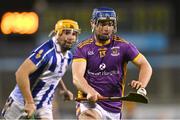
[{"x": 106, "y": 67}]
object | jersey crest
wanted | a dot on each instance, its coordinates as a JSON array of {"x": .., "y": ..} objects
[
  {"x": 115, "y": 51},
  {"x": 38, "y": 55}
]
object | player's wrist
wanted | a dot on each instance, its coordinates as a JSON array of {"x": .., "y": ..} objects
[
  {"x": 29, "y": 102},
  {"x": 142, "y": 91}
]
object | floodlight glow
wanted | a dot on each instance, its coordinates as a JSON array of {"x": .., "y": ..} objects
[{"x": 20, "y": 23}]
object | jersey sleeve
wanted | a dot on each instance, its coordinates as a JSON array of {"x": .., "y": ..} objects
[
  {"x": 39, "y": 56},
  {"x": 79, "y": 54},
  {"x": 131, "y": 52}
]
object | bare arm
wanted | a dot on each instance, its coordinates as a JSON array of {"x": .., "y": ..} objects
[
  {"x": 62, "y": 86},
  {"x": 78, "y": 71},
  {"x": 63, "y": 90},
  {"x": 22, "y": 79},
  {"x": 145, "y": 70}
]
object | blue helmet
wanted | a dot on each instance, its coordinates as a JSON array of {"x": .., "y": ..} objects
[{"x": 104, "y": 13}]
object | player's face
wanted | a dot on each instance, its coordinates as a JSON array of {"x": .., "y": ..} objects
[
  {"x": 104, "y": 29},
  {"x": 67, "y": 39}
]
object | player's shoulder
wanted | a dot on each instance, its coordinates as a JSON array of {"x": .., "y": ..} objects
[
  {"x": 44, "y": 47},
  {"x": 49, "y": 43},
  {"x": 85, "y": 42},
  {"x": 120, "y": 39}
]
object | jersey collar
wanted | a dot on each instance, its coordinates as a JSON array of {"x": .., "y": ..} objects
[{"x": 57, "y": 46}]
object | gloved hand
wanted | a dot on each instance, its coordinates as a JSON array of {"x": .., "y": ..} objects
[{"x": 142, "y": 91}]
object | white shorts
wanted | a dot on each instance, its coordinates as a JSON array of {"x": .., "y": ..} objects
[
  {"x": 105, "y": 115},
  {"x": 14, "y": 110}
]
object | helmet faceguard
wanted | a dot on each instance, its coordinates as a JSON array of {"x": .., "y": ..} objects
[{"x": 104, "y": 13}]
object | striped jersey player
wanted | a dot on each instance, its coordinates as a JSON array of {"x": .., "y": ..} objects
[
  {"x": 51, "y": 65},
  {"x": 39, "y": 75}
]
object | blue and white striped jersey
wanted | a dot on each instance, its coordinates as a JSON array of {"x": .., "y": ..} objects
[{"x": 52, "y": 65}]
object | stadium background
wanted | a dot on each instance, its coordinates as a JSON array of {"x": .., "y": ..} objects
[{"x": 153, "y": 26}]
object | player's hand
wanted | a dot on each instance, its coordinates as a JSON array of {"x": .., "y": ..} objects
[
  {"x": 29, "y": 108},
  {"x": 68, "y": 95},
  {"x": 93, "y": 96},
  {"x": 136, "y": 84}
]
